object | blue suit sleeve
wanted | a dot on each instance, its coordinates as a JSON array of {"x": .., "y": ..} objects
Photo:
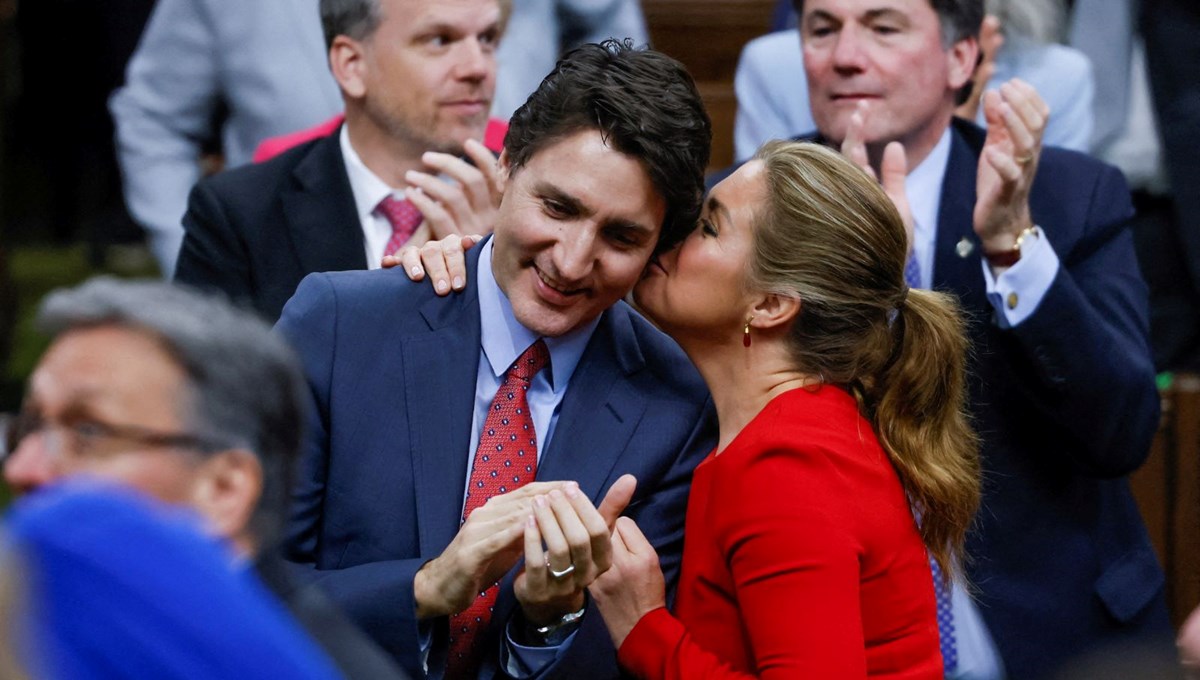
[
  {"x": 378, "y": 596},
  {"x": 1088, "y": 342}
]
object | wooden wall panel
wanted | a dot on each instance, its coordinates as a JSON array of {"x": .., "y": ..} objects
[
  {"x": 707, "y": 36},
  {"x": 1167, "y": 489}
]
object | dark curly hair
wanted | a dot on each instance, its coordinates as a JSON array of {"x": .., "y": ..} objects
[{"x": 643, "y": 102}]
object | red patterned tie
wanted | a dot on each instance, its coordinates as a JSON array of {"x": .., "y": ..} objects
[
  {"x": 404, "y": 218},
  {"x": 505, "y": 461}
]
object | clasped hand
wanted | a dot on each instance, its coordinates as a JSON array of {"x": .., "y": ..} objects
[
  {"x": 494, "y": 537},
  {"x": 634, "y": 586}
]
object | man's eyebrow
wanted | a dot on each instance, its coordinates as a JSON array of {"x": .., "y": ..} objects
[
  {"x": 818, "y": 15},
  {"x": 869, "y": 15},
  {"x": 545, "y": 189},
  {"x": 885, "y": 13},
  {"x": 630, "y": 226}
]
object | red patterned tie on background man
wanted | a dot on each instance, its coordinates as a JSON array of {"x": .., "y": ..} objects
[
  {"x": 505, "y": 461},
  {"x": 404, "y": 218}
]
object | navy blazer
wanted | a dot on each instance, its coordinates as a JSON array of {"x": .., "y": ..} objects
[
  {"x": 255, "y": 231},
  {"x": 392, "y": 370},
  {"x": 1066, "y": 407}
]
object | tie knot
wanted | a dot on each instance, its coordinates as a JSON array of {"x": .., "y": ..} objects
[
  {"x": 532, "y": 360},
  {"x": 401, "y": 214}
]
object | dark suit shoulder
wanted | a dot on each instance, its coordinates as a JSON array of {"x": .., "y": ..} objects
[
  {"x": 374, "y": 292},
  {"x": 255, "y": 182},
  {"x": 661, "y": 356},
  {"x": 1080, "y": 201},
  {"x": 1076, "y": 167}
]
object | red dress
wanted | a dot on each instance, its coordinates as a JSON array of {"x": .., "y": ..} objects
[{"x": 801, "y": 559}]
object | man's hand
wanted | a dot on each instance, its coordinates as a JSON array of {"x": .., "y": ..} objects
[
  {"x": 893, "y": 170},
  {"x": 578, "y": 541},
  {"x": 466, "y": 204},
  {"x": 1016, "y": 118},
  {"x": 486, "y": 546},
  {"x": 991, "y": 39},
  {"x": 633, "y": 587}
]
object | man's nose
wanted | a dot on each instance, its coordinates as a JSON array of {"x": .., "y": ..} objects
[
  {"x": 30, "y": 466},
  {"x": 575, "y": 255},
  {"x": 848, "y": 50},
  {"x": 476, "y": 60}
]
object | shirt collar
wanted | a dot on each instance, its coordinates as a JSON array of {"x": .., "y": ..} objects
[
  {"x": 923, "y": 186},
  {"x": 504, "y": 338},
  {"x": 367, "y": 188}
]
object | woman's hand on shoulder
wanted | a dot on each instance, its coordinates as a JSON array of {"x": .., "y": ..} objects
[{"x": 443, "y": 261}]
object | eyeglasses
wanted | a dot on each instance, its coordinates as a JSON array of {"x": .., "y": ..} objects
[{"x": 81, "y": 437}]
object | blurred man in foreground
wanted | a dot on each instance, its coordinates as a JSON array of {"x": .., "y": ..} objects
[{"x": 188, "y": 401}]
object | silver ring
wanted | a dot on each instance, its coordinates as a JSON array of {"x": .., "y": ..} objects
[{"x": 559, "y": 574}]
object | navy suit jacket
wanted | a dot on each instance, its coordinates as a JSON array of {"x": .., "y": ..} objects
[
  {"x": 1066, "y": 406},
  {"x": 254, "y": 232},
  {"x": 392, "y": 370}
]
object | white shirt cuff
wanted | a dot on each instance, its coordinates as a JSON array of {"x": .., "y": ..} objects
[{"x": 1018, "y": 291}]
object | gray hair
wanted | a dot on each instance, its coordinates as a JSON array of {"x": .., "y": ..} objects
[
  {"x": 245, "y": 388},
  {"x": 355, "y": 19}
]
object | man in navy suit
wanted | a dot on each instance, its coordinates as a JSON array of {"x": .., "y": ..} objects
[
  {"x": 602, "y": 167},
  {"x": 417, "y": 78},
  {"x": 1034, "y": 244}
]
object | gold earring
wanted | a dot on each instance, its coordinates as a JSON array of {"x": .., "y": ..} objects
[{"x": 746, "y": 333}]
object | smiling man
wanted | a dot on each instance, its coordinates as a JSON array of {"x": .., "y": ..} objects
[
  {"x": 454, "y": 436},
  {"x": 417, "y": 78}
]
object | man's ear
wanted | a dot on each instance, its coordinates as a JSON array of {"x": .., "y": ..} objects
[
  {"x": 963, "y": 58},
  {"x": 227, "y": 493},
  {"x": 774, "y": 311},
  {"x": 347, "y": 62},
  {"x": 503, "y": 172},
  {"x": 503, "y": 165}
]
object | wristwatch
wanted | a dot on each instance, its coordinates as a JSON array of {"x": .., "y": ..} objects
[
  {"x": 1009, "y": 257},
  {"x": 556, "y": 632}
]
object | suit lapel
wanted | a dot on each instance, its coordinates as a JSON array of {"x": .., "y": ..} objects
[
  {"x": 440, "y": 368},
  {"x": 952, "y": 272},
  {"x": 600, "y": 409},
  {"x": 319, "y": 206}
]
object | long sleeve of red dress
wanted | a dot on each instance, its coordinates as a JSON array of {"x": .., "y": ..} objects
[{"x": 801, "y": 559}]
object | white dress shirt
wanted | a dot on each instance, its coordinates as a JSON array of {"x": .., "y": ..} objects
[{"x": 368, "y": 190}]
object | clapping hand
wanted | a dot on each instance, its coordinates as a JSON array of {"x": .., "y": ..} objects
[{"x": 1016, "y": 118}]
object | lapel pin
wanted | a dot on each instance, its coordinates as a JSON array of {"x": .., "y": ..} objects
[{"x": 964, "y": 247}]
